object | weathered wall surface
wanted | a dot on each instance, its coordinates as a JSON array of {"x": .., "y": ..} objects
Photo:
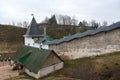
[
  {"x": 52, "y": 59},
  {"x": 47, "y": 70},
  {"x": 31, "y": 73},
  {"x": 101, "y": 43}
]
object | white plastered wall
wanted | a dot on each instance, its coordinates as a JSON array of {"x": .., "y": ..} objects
[
  {"x": 30, "y": 42},
  {"x": 45, "y": 71}
]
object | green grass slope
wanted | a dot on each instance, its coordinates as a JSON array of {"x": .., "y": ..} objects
[
  {"x": 11, "y": 34},
  {"x": 105, "y": 67},
  {"x": 11, "y": 38}
]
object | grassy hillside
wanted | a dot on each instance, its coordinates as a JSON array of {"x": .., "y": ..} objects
[
  {"x": 11, "y": 33},
  {"x": 105, "y": 67},
  {"x": 11, "y": 38},
  {"x": 7, "y": 47},
  {"x": 58, "y": 31}
]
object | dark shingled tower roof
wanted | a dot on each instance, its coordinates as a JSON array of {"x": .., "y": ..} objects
[{"x": 33, "y": 29}]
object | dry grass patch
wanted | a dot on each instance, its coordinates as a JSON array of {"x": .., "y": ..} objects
[{"x": 105, "y": 67}]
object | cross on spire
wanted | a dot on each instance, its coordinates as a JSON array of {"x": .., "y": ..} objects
[
  {"x": 32, "y": 15},
  {"x": 33, "y": 29}
]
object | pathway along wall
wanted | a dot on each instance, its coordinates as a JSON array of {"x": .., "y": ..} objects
[{"x": 98, "y": 44}]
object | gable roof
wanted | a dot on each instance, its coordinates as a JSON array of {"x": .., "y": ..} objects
[
  {"x": 33, "y": 29},
  {"x": 86, "y": 33},
  {"x": 32, "y": 58}
]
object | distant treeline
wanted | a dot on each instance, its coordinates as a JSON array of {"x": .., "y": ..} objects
[
  {"x": 68, "y": 20},
  {"x": 59, "y": 19}
]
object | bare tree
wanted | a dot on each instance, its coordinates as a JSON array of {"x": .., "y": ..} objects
[
  {"x": 66, "y": 20},
  {"x": 61, "y": 19},
  {"x": 13, "y": 23},
  {"x": 104, "y": 23},
  {"x": 46, "y": 20},
  {"x": 74, "y": 21},
  {"x": 94, "y": 24},
  {"x": 85, "y": 23},
  {"x": 25, "y": 24},
  {"x": 19, "y": 24}
]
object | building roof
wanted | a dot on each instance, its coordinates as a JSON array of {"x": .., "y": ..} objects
[
  {"x": 52, "y": 20},
  {"x": 86, "y": 33},
  {"x": 33, "y": 29},
  {"x": 32, "y": 58}
]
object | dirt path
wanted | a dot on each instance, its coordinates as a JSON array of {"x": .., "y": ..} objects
[
  {"x": 6, "y": 73},
  {"x": 4, "y": 63}
]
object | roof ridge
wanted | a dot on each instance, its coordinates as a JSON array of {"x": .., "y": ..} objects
[
  {"x": 86, "y": 33},
  {"x": 33, "y": 29}
]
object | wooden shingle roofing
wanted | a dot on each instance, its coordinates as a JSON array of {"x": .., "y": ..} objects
[{"x": 33, "y": 29}]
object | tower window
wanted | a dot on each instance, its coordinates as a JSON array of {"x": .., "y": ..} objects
[
  {"x": 28, "y": 44},
  {"x": 35, "y": 39}
]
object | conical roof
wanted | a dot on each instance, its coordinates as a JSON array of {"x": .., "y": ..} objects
[{"x": 33, "y": 29}]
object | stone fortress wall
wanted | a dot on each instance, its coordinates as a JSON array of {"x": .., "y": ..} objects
[{"x": 98, "y": 44}]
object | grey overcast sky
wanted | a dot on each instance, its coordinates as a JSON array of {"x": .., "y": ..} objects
[{"x": 20, "y": 10}]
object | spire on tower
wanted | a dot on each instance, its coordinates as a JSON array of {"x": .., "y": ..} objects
[
  {"x": 32, "y": 15},
  {"x": 33, "y": 29}
]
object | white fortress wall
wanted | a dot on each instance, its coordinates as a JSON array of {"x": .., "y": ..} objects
[{"x": 100, "y": 43}]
